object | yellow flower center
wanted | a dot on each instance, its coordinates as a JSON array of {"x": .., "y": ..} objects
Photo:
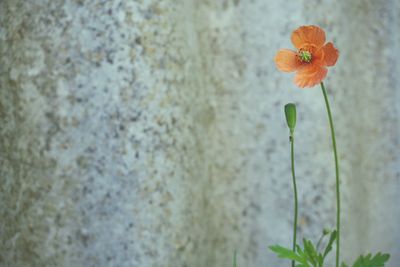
[{"x": 305, "y": 56}]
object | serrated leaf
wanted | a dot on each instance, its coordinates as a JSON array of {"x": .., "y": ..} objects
[
  {"x": 300, "y": 252},
  {"x": 309, "y": 249},
  {"x": 368, "y": 261},
  {"x": 286, "y": 253}
]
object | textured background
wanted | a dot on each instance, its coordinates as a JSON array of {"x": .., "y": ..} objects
[{"x": 151, "y": 133}]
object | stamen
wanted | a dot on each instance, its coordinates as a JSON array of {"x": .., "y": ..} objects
[{"x": 305, "y": 56}]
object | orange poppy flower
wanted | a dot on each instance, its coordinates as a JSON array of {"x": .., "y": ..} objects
[{"x": 311, "y": 58}]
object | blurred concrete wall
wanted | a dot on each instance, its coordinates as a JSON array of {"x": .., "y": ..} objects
[{"x": 151, "y": 133}]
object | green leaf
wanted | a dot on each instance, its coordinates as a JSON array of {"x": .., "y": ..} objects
[
  {"x": 312, "y": 254},
  {"x": 320, "y": 260},
  {"x": 234, "y": 258},
  {"x": 344, "y": 265},
  {"x": 368, "y": 261},
  {"x": 286, "y": 253},
  {"x": 330, "y": 243},
  {"x": 302, "y": 254}
]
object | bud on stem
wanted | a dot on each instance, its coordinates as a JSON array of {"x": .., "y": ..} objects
[{"x": 290, "y": 113}]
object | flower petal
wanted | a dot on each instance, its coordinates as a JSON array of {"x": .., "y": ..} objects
[
  {"x": 308, "y": 35},
  {"x": 286, "y": 60},
  {"x": 331, "y": 54},
  {"x": 310, "y": 76}
]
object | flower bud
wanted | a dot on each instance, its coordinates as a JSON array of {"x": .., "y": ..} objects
[
  {"x": 326, "y": 231},
  {"x": 290, "y": 113}
]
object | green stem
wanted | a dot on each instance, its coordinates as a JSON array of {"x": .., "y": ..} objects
[
  {"x": 295, "y": 195},
  {"x": 319, "y": 242},
  {"x": 337, "y": 175}
]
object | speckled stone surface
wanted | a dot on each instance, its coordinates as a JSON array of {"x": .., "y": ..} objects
[{"x": 151, "y": 133}]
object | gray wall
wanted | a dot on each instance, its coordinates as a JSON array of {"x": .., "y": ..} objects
[{"x": 151, "y": 133}]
